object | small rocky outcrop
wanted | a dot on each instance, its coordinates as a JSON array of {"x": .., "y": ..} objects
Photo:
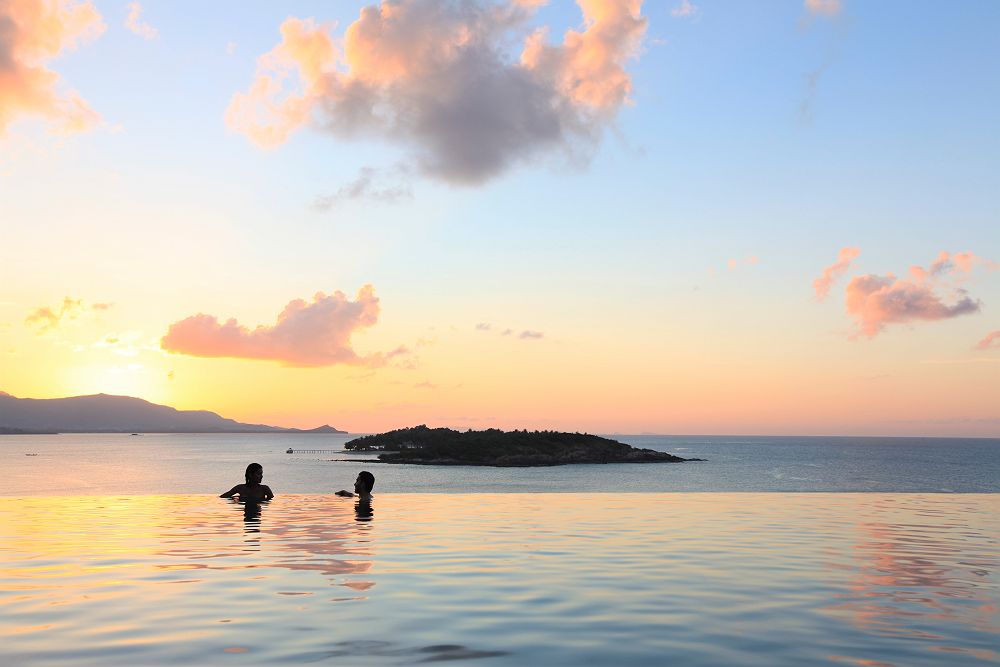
[{"x": 442, "y": 446}]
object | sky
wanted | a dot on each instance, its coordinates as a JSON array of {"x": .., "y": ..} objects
[{"x": 615, "y": 216}]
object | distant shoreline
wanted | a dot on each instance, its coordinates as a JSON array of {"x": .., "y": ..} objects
[{"x": 12, "y": 431}]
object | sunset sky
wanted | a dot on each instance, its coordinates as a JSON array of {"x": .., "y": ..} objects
[{"x": 617, "y": 216}]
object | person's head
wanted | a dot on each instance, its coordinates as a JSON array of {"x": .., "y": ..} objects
[
  {"x": 254, "y": 473},
  {"x": 364, "y": 483}
]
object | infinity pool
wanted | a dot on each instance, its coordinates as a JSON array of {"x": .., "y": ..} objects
[{"x": 496, "y": 579}]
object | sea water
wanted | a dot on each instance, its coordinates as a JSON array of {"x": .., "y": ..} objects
[
  {"x": 766, "y": 579},
  {"x": 115, "y": 550},
  {"x": 90, "y": 464}
]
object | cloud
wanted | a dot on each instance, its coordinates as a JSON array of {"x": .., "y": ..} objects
[
  {"x": 735, "y": 263},
  {"x": 812, "y": 80},
  {"x": 45, "y": 318},
  {"x": 526, "y": 334},
  {"x": 32, "y": 32},
  {"x": 126, "y": 344},
  {"x": 877, "y": 301},
  {"x": 828, "y": 8},
  {"x": 436, "y": 78},
  {"x": 133, "y": 23},
  {"x": 990, "y": 342},
  {"x": 831, "y": 273},
  {"x": 958, "y": 266},
  {"x": 305, "y": 334},
  {"x": 365, "y": 187},
  {"x": 685, "y": 10}
]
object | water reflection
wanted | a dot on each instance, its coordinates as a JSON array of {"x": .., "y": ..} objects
[
  {"x": 363, "y": 511},
  {"x": 917, "y": 570},
  {"x": 561, "y": 579},
  {"x": 251, "y": 516},
  {"x": 251, "y": 523}
]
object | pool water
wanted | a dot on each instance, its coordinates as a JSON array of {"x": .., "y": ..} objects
[{"x": 496, "y": 579}]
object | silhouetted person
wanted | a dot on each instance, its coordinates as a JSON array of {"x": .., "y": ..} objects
[
  {"x": 362, "y": 487},
  {"x": 253, "y": 491}
]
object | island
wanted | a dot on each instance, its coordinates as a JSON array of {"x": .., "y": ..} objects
[
  {"x": 421, "y": 445},
  {"x": 101, "y": 413}
]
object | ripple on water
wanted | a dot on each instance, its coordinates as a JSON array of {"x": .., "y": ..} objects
[{"x": 694, "y": 579}]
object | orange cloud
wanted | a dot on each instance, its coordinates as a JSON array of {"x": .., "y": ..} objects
[
  {"x": 45, "y": 319},
  {"x": 434, "y": 78},
  {"x": 990, "y": 342},
  {"x": 831, "y": 273},
  {"x": 31, "y": 32},
  {"x": 526, "y": 334},
  {"x": 305, "y": 334}
]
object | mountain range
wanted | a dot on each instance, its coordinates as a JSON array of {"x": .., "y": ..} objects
[{"x": 102, "y": 413}]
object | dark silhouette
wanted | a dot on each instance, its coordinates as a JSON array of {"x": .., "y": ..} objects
[
  {"x": 362, "y": 487},
  {"x": 253, "y": 491},
  {"x": 493, "y": 447},
  {"x": 101, "y": 413},
  {"x": 363, "y": 511},
  {"x": 251, "y": 514}
]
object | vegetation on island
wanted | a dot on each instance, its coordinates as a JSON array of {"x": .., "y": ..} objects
[{"x": 493, "y": 447}]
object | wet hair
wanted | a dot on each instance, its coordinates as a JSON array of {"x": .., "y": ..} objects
[
  {"x": 367, "y": 479},
  {"x": 253, "y": 468}
]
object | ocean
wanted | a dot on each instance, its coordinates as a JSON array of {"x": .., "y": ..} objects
[
  {"x": 115, "y": 550},
  {"x": 102, "y": 464}
]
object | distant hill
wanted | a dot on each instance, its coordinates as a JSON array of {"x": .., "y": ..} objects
[
  {"x": 102, "y": 413},
  {"x": 443, "y": 446}
]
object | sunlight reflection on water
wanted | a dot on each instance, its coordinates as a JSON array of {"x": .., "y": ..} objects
[{"x": 694, "y": 579}]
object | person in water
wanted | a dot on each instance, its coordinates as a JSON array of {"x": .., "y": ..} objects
[
  {"x": 253, "y": 491},
  {"x": 362, "y": 487}
]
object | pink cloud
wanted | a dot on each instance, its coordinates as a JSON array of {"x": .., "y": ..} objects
[
  {"x": 831, "y": 273},
  {"x": 735, "y": 263},
  {"x": 32, "y": 32},
  {"x": 877, "y": 301},
  {"x": 684, "y": 10},
  {"x": 990, "y": 342},
  {"x": 305, "y": 334},
  {"x": 827, "y": 8},
  {"x": 955, "y": 265},
  {"x": 135, "y": 24},
  {"x": 436, "y": 79}
]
